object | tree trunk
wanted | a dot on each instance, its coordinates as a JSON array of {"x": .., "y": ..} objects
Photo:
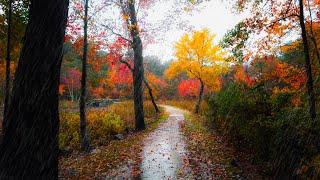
[
  {"x": 8, "y": 59},
  {"x": 312, "y": 37},
  {"x": 312, "y": 103},
  {"x": 151, "y": 95},
  {"x": 30, "y": 143},
  {"x": 197, "y": 110},
  {"x": 315, "y": 47},
  {"x": 138, "y": 68},
  {"x": 85, "y": 146}
]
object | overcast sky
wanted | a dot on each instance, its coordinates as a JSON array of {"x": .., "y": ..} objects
[{"x": 214, "y": 15}]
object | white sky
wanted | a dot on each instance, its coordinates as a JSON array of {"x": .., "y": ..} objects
[
  {"x": 214, "y": 15},
  {"x": 166, "y": 21}
]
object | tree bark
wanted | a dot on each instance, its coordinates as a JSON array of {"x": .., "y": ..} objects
[
  {"x": 30, "y": 143},
  {"x": 312, "y": 37},
  {"x": 85, "y": 146},
  {"x": 151, "y": 96},
  {"x": 312, "y": 102},
  {"x": 197, "y": 110},
  {"x": 8, "y": 59},
  {"x": 138, "y": 70}
]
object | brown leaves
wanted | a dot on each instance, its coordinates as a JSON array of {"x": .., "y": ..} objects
[
  {"x": 104, "y": 161},
  {"x": 119, "y": 159},
  {"x": 209, "y": 156}
]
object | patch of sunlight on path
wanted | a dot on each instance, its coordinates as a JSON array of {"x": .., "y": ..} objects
[{"x": 165, "y": 149}]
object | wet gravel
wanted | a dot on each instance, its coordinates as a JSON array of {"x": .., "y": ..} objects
[{"x": 165, "y": 149}]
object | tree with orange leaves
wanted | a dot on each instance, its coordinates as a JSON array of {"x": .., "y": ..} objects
[
  {"x": 278, "y": 18},
  {"x": 199, "y": 58}
]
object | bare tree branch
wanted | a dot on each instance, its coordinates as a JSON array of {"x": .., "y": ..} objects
[
  {"x": 118, "y": 34},
  {"x": 127, "y": 64}
]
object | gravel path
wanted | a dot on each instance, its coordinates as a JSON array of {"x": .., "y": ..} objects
[{"x": 164, "y": 150}]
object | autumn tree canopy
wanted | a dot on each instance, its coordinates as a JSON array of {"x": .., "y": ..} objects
[{"x": 199, "y": 58}]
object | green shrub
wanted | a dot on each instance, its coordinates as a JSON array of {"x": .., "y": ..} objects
[
  {"x": 296, "y": 145},
  {"x": 277, "y": 132},
  {"x": 234, "y": 111}
]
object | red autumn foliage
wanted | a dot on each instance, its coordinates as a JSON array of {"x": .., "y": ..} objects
[
  {"x": 120, "y": 74},
  {"x": 189, "y": 88},
  {"x": 116, "y": 51}
]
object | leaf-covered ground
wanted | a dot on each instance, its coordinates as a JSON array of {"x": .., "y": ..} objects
[
  {"x": 175, "y": 149},
  {"x": 120, "y": 158},
  {"x": 210, "y": 157}
]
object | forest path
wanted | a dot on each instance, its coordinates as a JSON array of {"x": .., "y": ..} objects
[{"x": 164, "y": 149}]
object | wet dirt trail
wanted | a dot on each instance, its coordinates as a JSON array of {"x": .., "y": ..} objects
[{"x": 164, "y": 149}]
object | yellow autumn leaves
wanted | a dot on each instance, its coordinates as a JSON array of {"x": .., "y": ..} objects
[{"x": 199, "y": 58}]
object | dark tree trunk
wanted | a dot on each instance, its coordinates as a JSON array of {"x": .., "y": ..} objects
[
  {"x": 8, "y": 59},
  {"x": 315, "y": 47},
  {"x": 85, "y": 146},
  {"x": 312, "y": 36},
  {"x": 30, "y": 144},
  {"x": 197, "y": 110},
  {"x": 312, "y": 102},
  {"x": 151, "y": 96},
  {"x": 138, "y": 68}
]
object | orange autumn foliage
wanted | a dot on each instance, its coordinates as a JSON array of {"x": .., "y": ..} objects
[
  {"x": 98, "y": 92},
  {"x": 61, "y": 89},
  {"x": 241, "y": 75},
  {"x": 157, "y": 85},
  {"x": 279, "y": 77},
  {"x": 285, "y": 73}
]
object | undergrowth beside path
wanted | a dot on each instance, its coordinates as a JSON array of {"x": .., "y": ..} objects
[
  {"x": 210, "y": 157},
  {"x": 118, "y": 159}
]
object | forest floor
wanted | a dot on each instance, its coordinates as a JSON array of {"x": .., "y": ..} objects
[
  {"x": 183, "y": 147},
  {"x": 178, "y": 146},
  {"x": 211, "y": 156},
  {"x": 119, "y": 159}
]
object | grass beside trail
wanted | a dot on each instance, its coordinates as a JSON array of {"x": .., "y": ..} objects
[
  {"x": 101, "y": 162},
  {"x": 102, "y": 123}
]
